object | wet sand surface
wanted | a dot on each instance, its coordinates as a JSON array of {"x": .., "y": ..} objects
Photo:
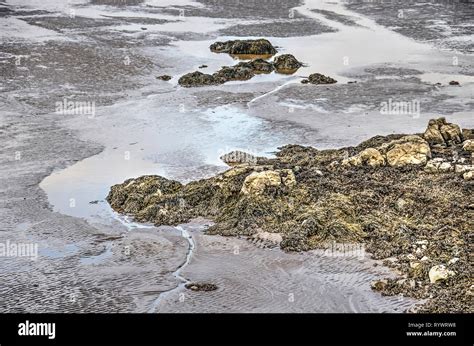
[{"x": 54, "y": 165}]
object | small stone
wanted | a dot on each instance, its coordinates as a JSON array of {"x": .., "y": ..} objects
[
  {"x": 468, "y": 175},
  {"x": 468, "y": 145},
  {"x": 439, "y": 273},
  {"x": 400, "y": 204},
  {"x": 463, "y": 168},
  {"x": 453, "y": 260},
  {"x": 379, "y": 285},
  {"x": 164, "y": 77},
  {"x": 201, "y": 286},
  {"x": 454, "y": 82}
]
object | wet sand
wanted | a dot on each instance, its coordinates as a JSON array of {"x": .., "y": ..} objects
[{"x": 94, "y": 260}]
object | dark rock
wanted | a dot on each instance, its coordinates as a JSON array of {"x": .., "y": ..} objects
[
  {"x": 201, "y": 286},
  {"x": 196, "y": 78},
  {"x": 233, "y": 73},
  {"x": 259, "y": 66},
  {"x": 251, "y": 47},
  {"x": 317, "y": 78},
  {"x": 286, "y": 63},
  {"x": 203, "y": 66},
  {"x": 240, "y": 72},
  {"x": 453, "y": 82},
  {"x": 164, "y": 77}
]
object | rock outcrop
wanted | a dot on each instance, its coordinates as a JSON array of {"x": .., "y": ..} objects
[
  {"x": 442, "y": 133},
  {"x": 286, "y": 63},
  {"x": 239, "y": 47},
  {"x": 197, "y": 78},
  {"x": 408, "y": 150},
  {"x": 405, "y": 199},
  {"x": 318, "y": 78}
]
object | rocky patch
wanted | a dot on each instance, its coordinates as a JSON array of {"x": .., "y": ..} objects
[
  {"x": 240, "y": 47},
  {"x": 394, "y": 194}
]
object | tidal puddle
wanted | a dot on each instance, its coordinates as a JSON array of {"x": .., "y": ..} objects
[{"x": 183, "y": 146}]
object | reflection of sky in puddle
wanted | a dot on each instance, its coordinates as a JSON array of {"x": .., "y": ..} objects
[{"x": 65, "y": 251}]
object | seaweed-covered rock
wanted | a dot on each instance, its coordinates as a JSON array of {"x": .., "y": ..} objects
[
  {"x": 251, "y": 47},
  {"x": 233, "y": 73},
  {"x": 258, "y": 66},
  {"x": 397, "y": 210},
  {"x": 197, "y": 78},
  {"x": 201, "y": 286},
  {"x": 286, "y": 63},
  {"x": 239, "y": 72},
  {"x": 318, "y": 78}
]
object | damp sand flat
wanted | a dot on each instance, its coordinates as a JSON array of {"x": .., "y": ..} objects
[{"x": 253, "y": 279}]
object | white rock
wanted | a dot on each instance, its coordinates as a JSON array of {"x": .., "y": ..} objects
[
  {"x": 422, "y": 242},
  {"x": 463, "y": 168},
  {"x": 468, "y": 175},
  {"x": 468, "y": 145},
  {"x": 453, "y": 260},
  {"x": 439, "y": 273}
]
